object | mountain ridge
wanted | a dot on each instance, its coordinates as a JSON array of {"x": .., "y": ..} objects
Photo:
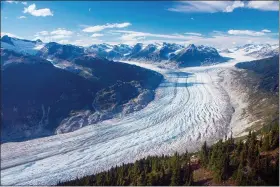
[{"x": 168, "y": 52}]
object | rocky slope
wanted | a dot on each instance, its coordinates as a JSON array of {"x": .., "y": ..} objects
[
  {"x": 253, "y": 89},
  {"x": 39, "y": 99},
  {"x": 268, "y": 71}
]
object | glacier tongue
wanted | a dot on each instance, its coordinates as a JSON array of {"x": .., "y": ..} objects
[{"x": 190, "y": 107}]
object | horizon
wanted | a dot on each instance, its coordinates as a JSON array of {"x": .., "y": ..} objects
[{"x": 144, "y": 44}]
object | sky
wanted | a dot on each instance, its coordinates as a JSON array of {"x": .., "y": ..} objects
[{"x": 222, "y": 24}]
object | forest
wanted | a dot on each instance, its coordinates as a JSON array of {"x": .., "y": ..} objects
[{"x": 253, "y": 160}]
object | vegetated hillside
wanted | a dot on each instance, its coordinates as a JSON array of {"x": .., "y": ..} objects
[
  {"x": 258, "y": 82},
  {"x": 254, "y": 161},
  {"x": 267, "y": 69},
  {"x": 37, "y": 96}
]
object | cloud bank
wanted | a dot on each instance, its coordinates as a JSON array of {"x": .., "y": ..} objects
[
  {"x": 98, "y": 28},
  {"x": 222, "y": 6}
]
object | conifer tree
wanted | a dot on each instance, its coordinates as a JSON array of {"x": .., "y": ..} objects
[{"x": 204, "y": 155}]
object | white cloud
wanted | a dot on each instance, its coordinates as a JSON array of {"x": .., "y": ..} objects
[
  {"x": 98, "y": 28},
  {"x": 63, "y": 41},
  {"x": 264, "y": 5},
  {"x": 193, "y": 33},
  {"x": 228, "y": 41},
  {"x": 218, "y": 39},
  {"x": 201, "y": 6},
  {"x": 59, "y": 36},
  {"x": 21, "y": 17},
  {"x": 266, "y": 30},
  {"x": 43, "y": 33},
  {"x": 246, "y": 32},
  {"x": 132, "y": 37},
  {"x": 16, "y": 2},
  {"x": 85, "y": 42},
  {"x": 222, "y": 6},
  {"x": 61, "y": 31},
  {"x": 96, "y": 35},
  {"x": 54, "y": 35},
  {"x": 129, "y": 34},
  {"x": 31, "y": 9},
  {"x": 64, "y": 36},
  {"x": 236, "y": 4}
]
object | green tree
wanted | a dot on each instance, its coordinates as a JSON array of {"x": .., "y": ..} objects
[
  {"x": 204, "y": 155},
  {"x": 175, "y": 178},
  {"x": 266, "y": 145}
]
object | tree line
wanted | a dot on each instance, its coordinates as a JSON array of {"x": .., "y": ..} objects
[{"x": 246, "y": 162}]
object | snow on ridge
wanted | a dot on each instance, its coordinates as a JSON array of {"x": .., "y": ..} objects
[{"x": 23, "y": 46}]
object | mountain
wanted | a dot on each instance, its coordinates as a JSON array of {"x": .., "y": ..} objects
[
  {"x": 153, "y": 52},
  {"x": 109, "y": 51},
  {"x": 54, "y": 50},
  {"x": 62, "y": 55},
  {"x": 258, "y": 50},
  {"x": 268, "y": 71},
  {"x": 36, "y": 96},
  {"x": 169, "y": 50},
  {"x": 39, "y": 99},
  {"x": 197, "y": 56},
  {"x": 225, "y": 51},
  {"x": 265, "y": 52},
  {"x": 182, "y": 56},
  {"x": 122, "y": 48},
  {"x": 21, "y": 45},
  {"x": 100, "y": 49},
  {"x": 142, "y": 52}
]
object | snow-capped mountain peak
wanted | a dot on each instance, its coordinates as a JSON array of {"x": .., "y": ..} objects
[
  {"x": 258, "y": 50},
  {"x": 21, "y": 45}
]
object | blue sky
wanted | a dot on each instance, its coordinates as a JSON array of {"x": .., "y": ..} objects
[{"x": 214, "y": 23}]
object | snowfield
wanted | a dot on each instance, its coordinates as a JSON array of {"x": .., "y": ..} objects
[{"x": 190, "y": 106}]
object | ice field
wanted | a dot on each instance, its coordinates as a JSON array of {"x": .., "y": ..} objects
[{"x": 190, "y": 106}]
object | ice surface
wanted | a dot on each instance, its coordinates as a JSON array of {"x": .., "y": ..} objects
[{"x": 190, "y": 106}]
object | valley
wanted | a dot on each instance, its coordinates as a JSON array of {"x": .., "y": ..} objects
[
  {"x": 190, "y": 106},
  {"x": 119, "y": 93}
]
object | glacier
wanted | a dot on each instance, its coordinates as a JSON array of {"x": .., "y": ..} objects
[{"x": 190, "y": 106}]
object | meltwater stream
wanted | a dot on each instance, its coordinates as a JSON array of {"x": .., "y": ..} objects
[{"x": 190, "y": 106}]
